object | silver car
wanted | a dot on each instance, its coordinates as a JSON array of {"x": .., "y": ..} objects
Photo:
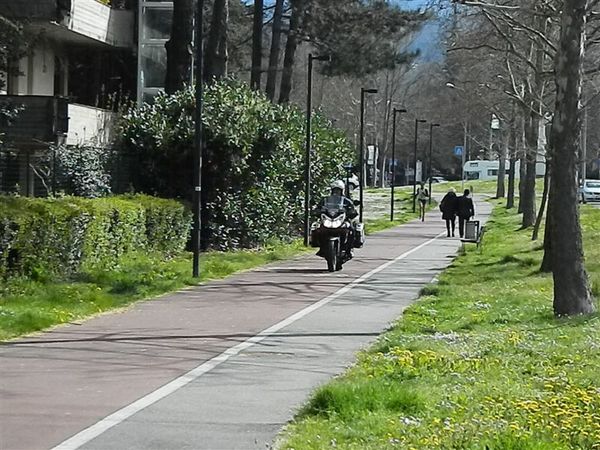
[{"x": 590, "y": 191}]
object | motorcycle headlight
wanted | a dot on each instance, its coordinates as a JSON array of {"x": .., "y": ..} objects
[{"x": 335, "y": 222}]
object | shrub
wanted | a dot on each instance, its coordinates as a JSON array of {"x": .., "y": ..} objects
[
  {"x": 62, "y": 236},
  {"x": 253, "y": 173}
]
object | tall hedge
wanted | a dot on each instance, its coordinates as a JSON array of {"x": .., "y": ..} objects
[
  {"x": 62, "y": 236},
  {"x": 254, "y": 160}
]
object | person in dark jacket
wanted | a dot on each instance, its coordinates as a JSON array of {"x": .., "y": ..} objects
[
  {"x": 449, "y": 209},
  {"x": 465, "y": 211}
]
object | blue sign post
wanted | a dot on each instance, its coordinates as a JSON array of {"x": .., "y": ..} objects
[{"x": 458, "y": 150}]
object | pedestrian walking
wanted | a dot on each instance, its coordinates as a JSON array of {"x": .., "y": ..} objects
[
  {"x": 465, "y": 211},
  {"x": 449, "y": 209},
  {"x": 422, "y": 197}
]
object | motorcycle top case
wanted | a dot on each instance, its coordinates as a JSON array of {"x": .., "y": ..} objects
[{"x": 359, "y": 237}]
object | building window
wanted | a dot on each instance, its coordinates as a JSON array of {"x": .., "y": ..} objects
[
  {"x": 154, "y": 65},
  {"x": 492, "y": 172},
  {"x": 155, "y": 18},
  {"x": 157, "y": 23}
]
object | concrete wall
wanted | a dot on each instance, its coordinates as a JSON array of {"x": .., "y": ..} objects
[
  {"x": 36, "y": 73},
  {"x": 89, "y": 126}
]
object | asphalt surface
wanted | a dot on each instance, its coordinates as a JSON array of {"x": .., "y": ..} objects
[{"x": 220, "y": 366}]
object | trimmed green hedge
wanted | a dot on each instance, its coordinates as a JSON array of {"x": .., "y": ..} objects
[{"x": 59, "y": 237}]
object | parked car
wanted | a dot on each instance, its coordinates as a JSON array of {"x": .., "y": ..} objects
[
  {"x": 438, "y": 180},
  {"x": 589, "y": 191}
]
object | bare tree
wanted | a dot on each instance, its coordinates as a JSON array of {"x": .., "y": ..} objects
[
  {"x": 571, "y": 289},
  {"x": 215, "y": 65},
  {"x": 298, "y": 8},
  {"x": 275, "y": 49},
  {"x": 179, "y": 52},
  {"x": 257, "y": 45}
]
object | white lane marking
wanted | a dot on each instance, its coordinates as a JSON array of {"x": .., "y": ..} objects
[{"x": 86, "y": 435}]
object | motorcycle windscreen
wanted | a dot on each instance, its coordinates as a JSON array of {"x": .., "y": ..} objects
[{"x": 333, "y": 205}]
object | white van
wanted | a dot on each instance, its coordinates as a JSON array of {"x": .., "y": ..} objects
[{"x": 488, "y": 170}]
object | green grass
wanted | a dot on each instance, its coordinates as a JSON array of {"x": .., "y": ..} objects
[
  {"x": 475, "y": 186},
  {"x": 479, "y": 362},
  {"x": 377, "y": 217},
  {"x": 27, "y": 305}
]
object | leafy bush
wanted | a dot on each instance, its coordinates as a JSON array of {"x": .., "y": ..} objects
[
  {"x": 83, "y": 171},
  {"x": 253, "y": 171},
  {"x": 61, "y": 236}
]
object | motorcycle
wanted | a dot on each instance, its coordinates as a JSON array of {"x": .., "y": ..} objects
[{"x": 334, "y": 233}]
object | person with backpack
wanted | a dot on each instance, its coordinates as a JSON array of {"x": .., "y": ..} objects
[{"x": 449, "y": 209}]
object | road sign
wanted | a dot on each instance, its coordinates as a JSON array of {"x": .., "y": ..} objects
[
  {"x": 372, "y": 154},
  {"x": 458, "y": 150},
  {"x": 495, "y": 125}
]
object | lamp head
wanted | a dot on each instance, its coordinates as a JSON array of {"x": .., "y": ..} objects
[
  {"x": 450, "y": 85},
  {"x": 400, "y": 110},
  {"x": 421, "y": 120},
  {"x": 435, "y": 125},
  {"x": 369, "y": 91}
]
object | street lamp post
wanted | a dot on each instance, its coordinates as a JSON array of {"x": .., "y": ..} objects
[
  {"x": 417, "y": 122},
  {"x": 431, "y": 127},
  {"x": 465, "y": 124},
  {"x": 198, "y": 142},
  {"x": 393, "y": 182},
  {"x": 307, "y": 163},
  {"x": 361, "y": 180},
  {"x": 463, "y": 156}
]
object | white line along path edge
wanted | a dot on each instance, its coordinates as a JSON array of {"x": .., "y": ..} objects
[{"x": 86, "y": 435}]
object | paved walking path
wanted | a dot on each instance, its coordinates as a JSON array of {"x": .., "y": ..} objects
[{"x": 220, "y": 366}]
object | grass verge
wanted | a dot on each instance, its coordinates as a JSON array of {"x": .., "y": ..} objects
[
  {"x": 478, "y": 363},
  {"x": 28, "y": 305},
  {"x": 402, "y": 211}
]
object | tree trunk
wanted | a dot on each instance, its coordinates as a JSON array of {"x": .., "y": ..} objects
[
  {"x": 179, "y": 50},
  {"x": 215, "y": 65},
  {"x": 522, "y": 164},
  {"x": 510, "y": 197},
  {"x": 540, "y": 216},
  {"x": 290, "y": 51},
  {"x": 531, "y": 148},
  {"x": 257, "y": 45},
  {"x": 275, "y": 50},
  {"x": 571, "y": 289},
  {"x": 522, "y": 178},
  {"x": 500, "y": 187},
  {"x": 546, "y": 266}
]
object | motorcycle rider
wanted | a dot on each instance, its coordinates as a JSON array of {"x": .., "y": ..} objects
[
  {"x": 337, "y": 190},
  {"x": 352, "y": 185}
]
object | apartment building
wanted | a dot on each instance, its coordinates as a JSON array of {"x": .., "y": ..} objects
[{"x": 89, "y": 59}]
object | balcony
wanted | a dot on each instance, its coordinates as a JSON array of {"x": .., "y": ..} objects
[
  {"x": 89, "y": 126},
  {"x": 77, "y": 21},
  {"x": 41, "y": 119},
  {"x": 44, "y": 119},
  {"x": 101, "y": 22}
]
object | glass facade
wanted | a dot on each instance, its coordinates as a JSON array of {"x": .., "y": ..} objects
[
  {"x": 157, "y": 23},
  {"x": 155, "y": 19}
]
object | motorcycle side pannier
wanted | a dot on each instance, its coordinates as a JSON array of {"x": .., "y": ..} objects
[
  {"x": 314, "y": 237},
  {"x": 359, "y": 237}
]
